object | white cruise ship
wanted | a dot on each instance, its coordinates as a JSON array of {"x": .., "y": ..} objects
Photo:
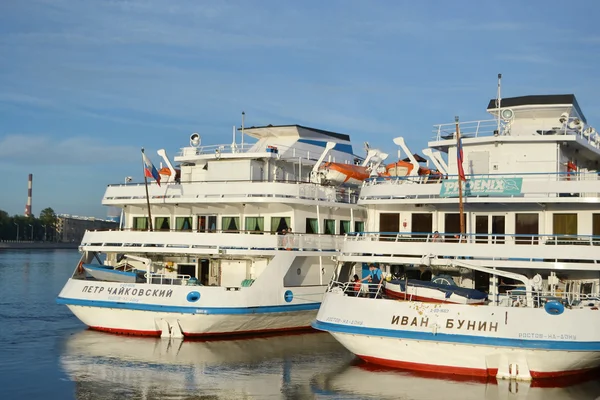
[
  {"x": 238, "y": 239},
  {"x": 509, "y": 286}
]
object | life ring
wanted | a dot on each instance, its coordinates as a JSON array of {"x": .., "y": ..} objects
[
  {"x": 554, "y": 307},
  {"x": 80, "y": 267}
]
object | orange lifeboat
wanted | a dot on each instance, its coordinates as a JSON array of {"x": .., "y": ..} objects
[
  {"x": 400, "y": 168},
  {"x": 338, "y": 174},
  {"x": 166, "y": 172}
]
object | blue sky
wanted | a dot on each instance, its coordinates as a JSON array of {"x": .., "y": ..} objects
[{"x": 85, "y": 84}]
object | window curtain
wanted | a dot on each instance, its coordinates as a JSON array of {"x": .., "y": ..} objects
[
  {"x": 359, "y": 226},
  {"x": 183, "y": 223},
  {"x": 565, "y": 224},
  {"x": 312, "y": 225},
  {"x": 330, "y": 227},
  {"x": 344, "y": 227},
  {"x": 140, "y": 223},
  {"x": 279, "y": 223},
  {"x": 230, "y": 223},
  {"x": 162, "y": 223},
  {"x": 255, "y": 224}
]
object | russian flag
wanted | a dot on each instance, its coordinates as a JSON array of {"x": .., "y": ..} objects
[
  {"x": 150, "y": 170},
  {"x": 460, "y": 158}
]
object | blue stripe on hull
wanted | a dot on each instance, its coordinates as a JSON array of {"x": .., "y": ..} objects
[
  {"x": 188, "y": 310},
  {"x": 460, "y": 339}
]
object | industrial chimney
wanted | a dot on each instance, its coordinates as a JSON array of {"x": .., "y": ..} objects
[{"x": 29, "y": 189}]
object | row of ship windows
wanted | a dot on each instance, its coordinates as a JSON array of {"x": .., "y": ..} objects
[
  {"x": 524, "y": 223},
  {"x": 209, "y": 223}
]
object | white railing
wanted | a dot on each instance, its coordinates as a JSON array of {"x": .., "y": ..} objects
[
  {"x": 372, "y": 290},
  {"x": 468, "y": 129},
  {"x": 238, "y": 191},
  {"x": 518, "y": 298},
  {"x": 166, "y": 279},
  {"x": 489, "y": 127},
  {"x": 208, "y": 243}
]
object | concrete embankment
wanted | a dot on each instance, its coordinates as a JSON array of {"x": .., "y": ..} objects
[{"x": 25, "y": 245}]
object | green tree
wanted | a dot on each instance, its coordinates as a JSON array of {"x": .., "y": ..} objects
[{"x": 49, "y": 220}]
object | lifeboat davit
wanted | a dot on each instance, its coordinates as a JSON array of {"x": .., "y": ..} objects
[{"x": 344, "y": 174}]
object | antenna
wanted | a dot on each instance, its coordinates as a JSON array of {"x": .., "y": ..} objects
[
  {"x": 243, "y": 117},
  {"x": 499, "y": 99}
]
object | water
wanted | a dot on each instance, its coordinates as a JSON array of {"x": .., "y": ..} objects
[{"x": 45, "y": 352}]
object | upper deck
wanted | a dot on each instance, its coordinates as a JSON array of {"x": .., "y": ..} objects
[{"x": 539, "y": 148}]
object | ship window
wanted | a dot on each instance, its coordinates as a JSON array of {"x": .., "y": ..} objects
[
  {"x": 162, "y": 223},
  {"x": 596, "y": 226},
  {"x": 526, "y": 228},
  {"x": 207, "y": 223},
  {"x": 452, "y": 226},
  {"x": 140, "y": 223},
  {"x": 344, "y": 227},
  {"x": 421, "y": 223},
  {"x": 183, "y": 223},
  {"x": 389, "y": 223},
  {"x": 230, "y": 224},
  {"x": 564, "y": 224},
  {"x": 329, "y": 226},
  {"x": 359, "y": 226},
  {"x": 255, "y": 224},
  {"x": 312, "y": 225},
  {"x": 278, "y": 224}
]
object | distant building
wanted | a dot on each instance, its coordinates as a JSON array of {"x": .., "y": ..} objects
[{"x": 70, "y": 228}]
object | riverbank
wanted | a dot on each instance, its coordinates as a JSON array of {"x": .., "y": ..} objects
[{"x": 28, "y": 245}]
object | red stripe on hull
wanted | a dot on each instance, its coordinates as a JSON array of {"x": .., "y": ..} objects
[
  {"x": 219, "y": 335},
  {"x": 476, "y": 372},
  {"x": 130, "y": 332},
  {"x": 441, "y": 369},
  {"x": 408, "y": 297}
]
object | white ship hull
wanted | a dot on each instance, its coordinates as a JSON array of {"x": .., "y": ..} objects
[
  {"x": 190, "y": 311},
  {"x": 521, "y": 343}
]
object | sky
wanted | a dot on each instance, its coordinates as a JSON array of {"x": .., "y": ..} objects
[{"x": 85, "y": 84}]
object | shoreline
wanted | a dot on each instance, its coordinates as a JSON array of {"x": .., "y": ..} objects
[{"x": 13, "y": 245}]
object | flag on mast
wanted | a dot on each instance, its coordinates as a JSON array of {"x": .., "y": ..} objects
[
  {"x": 460, "y": 157},
  {"x": 150, "y": 170}
]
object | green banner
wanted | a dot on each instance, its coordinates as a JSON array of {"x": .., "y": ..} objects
[{"x": 483, "y": 187}]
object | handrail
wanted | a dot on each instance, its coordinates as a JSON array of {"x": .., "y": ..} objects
[{"x": 496, "y": 238}]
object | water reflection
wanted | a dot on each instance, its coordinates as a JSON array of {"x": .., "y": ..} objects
[
  {"x": 373, "y": 382},
  {"x": 105, "y": 366}
]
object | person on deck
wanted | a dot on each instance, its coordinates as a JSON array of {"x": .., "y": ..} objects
[{"x": 375, "y": 277}]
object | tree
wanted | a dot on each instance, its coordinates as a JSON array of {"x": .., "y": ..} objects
[{"x": 48, "y": 218}]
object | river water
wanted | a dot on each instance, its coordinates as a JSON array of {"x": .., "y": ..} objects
[{"x": 46, "y": 353}]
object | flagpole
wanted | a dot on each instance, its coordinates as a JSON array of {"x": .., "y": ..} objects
[
  {"x": 147, "y": 196},
  {"x": 461, "y": 210}
]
